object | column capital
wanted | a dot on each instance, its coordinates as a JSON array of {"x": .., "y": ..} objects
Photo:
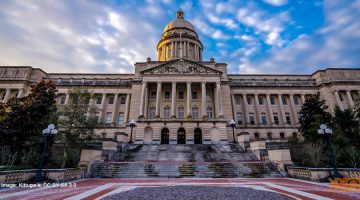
[
  {"x": 188, "y": 83},
  {"x": 203, "y": 83},
  {"x": 174, "y": 82}
]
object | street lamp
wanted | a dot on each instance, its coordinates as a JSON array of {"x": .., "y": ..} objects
[
  {"x": 327, "y": 132},
  {"x": 232, "y": 123},
  {"x": 132, "y": 124},
  {"x": 50, "y": 130}
]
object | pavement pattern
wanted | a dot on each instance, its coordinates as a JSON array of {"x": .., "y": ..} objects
[{"x": 105, "y": 188}]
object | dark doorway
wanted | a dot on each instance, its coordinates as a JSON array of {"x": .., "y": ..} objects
[
  {"x": 197, "y": 136},
  {"x": 165, "y": 136},
  {"x": 181, "y": 137}
]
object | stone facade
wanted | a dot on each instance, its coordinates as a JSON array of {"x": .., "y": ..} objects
[{"x": 182, "y": 99}]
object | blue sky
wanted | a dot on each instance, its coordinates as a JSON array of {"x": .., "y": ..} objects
[{"x": 254, "y": 36}]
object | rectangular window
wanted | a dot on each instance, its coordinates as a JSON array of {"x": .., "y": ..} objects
[
  {"x": 252, "y": 118},
  {"x": 152, "y": 111},
  {"x": 153, "y": 95},
  {"x": 269, "y": 135},
  {"x": 98, "y": 99},
  {"x": 276, "y": 118},
  {"x": 237, "y": 100},
  {"x": 167, "y": 95},
  {"x": 181, "y": 95},
  {"x": 283, "y": 99},
  {"x": 287, "y": 117},
  {"x": 248, "y": 99},
  {"x": 121, "y": 119},
  {"x": 263, "y": 119},
  {"x": 261, "y": 101},
  {"x": 272, "y": 100},
  {"x": 97, "y": 116},
  {"x": 111, "y": 100},
  {"x": 62, "y": 100},
  {"x": 181, "y": 112},
  {"x": 239, "y": 118},
  {"x": 122, "y": 99},
  {"x": 195, "y": 112},
  {"x": 108, "y": 118},
  {"x": 194, "y": 95},
  {"x": 296, "y": 100},
  {"x": 167, "y": 112},
  {"x": 209, "y": 112}
]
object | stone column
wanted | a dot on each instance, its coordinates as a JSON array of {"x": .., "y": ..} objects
[
  {"x": 257, "y": 109},
  {"x": 172, "y": 50},
  {"x": 127, "y": 108},
  {"x": 142, "y": 99},
  {"x": 158, "y": 99},
  {"x": 268, "y": 103},
  {"x": 102, "y": 108},
  {"x": 293, "y": 109},
  {"x": 233, "y": 106},
  {"x": 67, "y": 98},
  {"x": 173, "y": 99},
  {"x": 91, "y": 105},
  {"x": 7, "y": 95},
  {"x": 188, "y": 99},
  {"x": 218, "y": 87},
  {"x": 216, "y": 102},
  {"x": 245, "y": 114},
  {"x": 175, "y": 50},
  {"x": 351, "y": 102},
  {"x": 282, "y": 112},
  {"x": 303, "y": 98},
  {"x": 338, "y": 101},
  {"x": 203, "y": 99},
  {"x": 115, "y": 109},
  {"x": 187, "y": 49},
  {"x": 146, "y": 101},
  {"x": 181, "y": 53},
  {"x": 21, "y": 93}
]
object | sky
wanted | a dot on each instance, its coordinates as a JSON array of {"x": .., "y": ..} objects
[{"x": 251, "y": 36}]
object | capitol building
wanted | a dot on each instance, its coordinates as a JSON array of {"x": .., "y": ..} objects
[{"x": 183, "y": 99}]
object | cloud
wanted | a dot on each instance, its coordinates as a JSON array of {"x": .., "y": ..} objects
[{"x": 276, "y": 2}]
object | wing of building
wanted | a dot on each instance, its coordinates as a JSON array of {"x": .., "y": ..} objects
[{"x": 181, "y": 99}]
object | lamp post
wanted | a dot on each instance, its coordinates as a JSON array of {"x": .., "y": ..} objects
[
  {"x": 132, "y": 124},
  {"x": 232, "y": 123},
  {"x": 50, "y": 130},
  {"x": 327, "y": 132}
]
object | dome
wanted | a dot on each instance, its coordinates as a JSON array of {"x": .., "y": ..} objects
[{"x": 179, "y": 22}]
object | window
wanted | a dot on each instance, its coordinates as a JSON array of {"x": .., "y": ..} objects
[
  {"x": 62, "y": 100},
  {"x": 108, "y": 118},
  {"x": 209, "y": 112},
  {"x": 263, "y": 119},
  {"x": 98, "y": 99},
  {"x": 181, "y": 95},
  {"x": 195, "y": 112},
  {"x": 111, "y": 100},
  {"x": 181, "y": 112},
  {"x": 97, "y": 116},
  {"x": 194, "y": 95},
  {"x": 237, "y": 100},
  {"x": 251, "y": 118},
  {"x": 239, "y": 118},
  {"x": 341, "y": 97},
  {"x": 153, "y": 95},
  {"x": 256, "y": 135},
  {"x": 121, "y": 119},
  {"x": 296, "y": 100},
  {"x": 152, "y": 111},
  {"x": 167, "y": 95},
  {"x": 167, "y": 112},
  {"x": 282, "y": 136},
  {"x": 287, "y": 117},
  {"x": 122, "y": 99},
  {"x": 269, "y": 135},
  {"x": 276, "y": 118},
  {"x": 208, "y": 94},
  {"x": 248, "y": 99},
  {"x": 283, "y": 99},
  {"x": 261, "y": 100},
  {"x": 294, "y": 135},
  {"x": 272, "y": 100}
]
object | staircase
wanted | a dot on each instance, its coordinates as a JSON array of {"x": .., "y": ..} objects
[{"x": 180, "y": 161}]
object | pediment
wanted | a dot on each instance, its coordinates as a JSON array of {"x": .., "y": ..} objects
[{"x": 181, "y": 67}]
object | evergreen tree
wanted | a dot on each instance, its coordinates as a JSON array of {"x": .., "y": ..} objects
[
  {"x": 346, "y": 128},
  {"x": 312, "y": 114}
]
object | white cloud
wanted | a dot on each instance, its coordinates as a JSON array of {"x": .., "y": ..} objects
[{"x": 276, "y": 2}]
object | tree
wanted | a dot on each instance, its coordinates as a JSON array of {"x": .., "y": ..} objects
[
  {"x": 312, "y": 114},
  {"x": 346, "y": 128},
  {"x": 76, "y": 128}
]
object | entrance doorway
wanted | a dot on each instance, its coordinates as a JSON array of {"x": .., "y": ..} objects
[
  {"x": 181, "y": 137},
  {"x": 197, "y": 136},
  {"x": 165, "y": 136}
]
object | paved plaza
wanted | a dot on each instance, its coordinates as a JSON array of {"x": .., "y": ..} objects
[{"x": 107, "y": 188}]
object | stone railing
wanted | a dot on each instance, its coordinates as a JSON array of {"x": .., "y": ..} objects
[
  {"x": 57, "y": 175},
  {"x": 321, "y": 174}
]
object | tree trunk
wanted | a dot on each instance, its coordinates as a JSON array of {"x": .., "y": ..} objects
[{"x": 65, "y": 156}]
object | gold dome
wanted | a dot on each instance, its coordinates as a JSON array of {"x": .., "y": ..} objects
[{"x": 179, "y": 22}]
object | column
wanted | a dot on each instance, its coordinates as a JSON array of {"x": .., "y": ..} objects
[
  {"x": 351, "y": 102},
  {"x": 175, "y": 50},
  {"x": 173, "y": 98},
  {"x": 142, "y": 99},
  {"x": 188, "y": 99},
  {"x": 67, "y": 98},
  {"x": 102, "y": 108},
  {"x": 7, "y": 95},
  {"x": 127, "y": 108},
  {"x": 115, "y": 109},
  {"x": 257, "y": 109},
  {"x": 338, "y": 101},
  {"x": 221, "y": 113},
  {"x": 146, "y": 101},
  {"x": 293, "y": 109},
  {"x": 268, "y": 103},
  {"x": 20, "y": 94},
  {"x": 282, "y": 109},
  {"x": 233, "y": 106},
  {"x": 203, "y": 99},
  {"x": 196, "y": 52},
  {"x": 172, "y": 50},
  {"x": 245, "y": 114},
  {"x": 91, "y": 111},
  {"x": 181, "y": 53},
  {"x": 216, "y": 102},
  {"x": 158, "y": 99},
  {"x": 303, "y": 98}
]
